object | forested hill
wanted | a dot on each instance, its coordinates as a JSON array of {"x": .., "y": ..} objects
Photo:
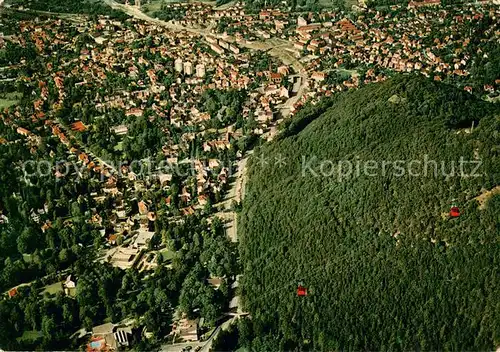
[
  {"x": 384, "y": 263},
  {"x": 88, "y": 7}
]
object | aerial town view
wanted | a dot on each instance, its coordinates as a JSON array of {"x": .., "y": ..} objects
[{"x": 259, "y": 175}]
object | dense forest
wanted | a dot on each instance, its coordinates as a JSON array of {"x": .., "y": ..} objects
[
  {"x": 89, "y": 7},
  {"x": 385, "y": 265}
]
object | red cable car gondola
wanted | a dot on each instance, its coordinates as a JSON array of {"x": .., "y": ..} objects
[
  {"x": 301, "y": 291},
  {"x": 454, "y": 212}
]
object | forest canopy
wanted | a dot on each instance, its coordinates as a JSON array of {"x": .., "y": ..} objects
[
  {"x": 384, "y": 264},
  {"x": 88, "y": 7}
]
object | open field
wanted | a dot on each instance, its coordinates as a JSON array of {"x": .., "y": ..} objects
[
  {"x": 348, "y": 73},
  {"x": 53, "y": 289},
  {"x": 9, "y": 99},
  {"x": 29, "y": 335}
]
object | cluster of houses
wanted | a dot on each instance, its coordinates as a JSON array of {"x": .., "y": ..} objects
[
  {"x": 118, "y": 51},
  {"x": 422, "y": 37},
  {"x": 196, "y": 14},
  {"x": 269, "y": 23},
  {"x": 234, "y": 19}
]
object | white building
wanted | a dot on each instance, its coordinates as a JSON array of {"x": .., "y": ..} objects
[
  {"x": 234, "y": 49},
  {"x": 200, "y": 70},
  {"x": 178, "y": 65},
  {"x": 188, "y": 68}
]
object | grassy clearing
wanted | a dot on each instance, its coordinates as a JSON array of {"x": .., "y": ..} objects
[
  {"x": 53, "y": 289},
  {"x": 119, "y": 147},
  {"x": 329, "y": 4},
  {"x": 167, "y": 255},
  {"x": 29, "y": 335},
  {"x": 350, "y": 3},
  {"x": 345, "y": 72},
  {"x": 325, "y": 3},
  {"x": 5, "y": 103},
  {"x": 9, "y": 99},
  {"x": 72, "y": 292}
]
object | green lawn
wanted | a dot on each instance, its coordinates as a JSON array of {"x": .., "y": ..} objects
[
  {"x": 167, "y": 255},
  {"x": 53, "y": 289},
  {"x": 5, "y": 103},
  {"x": 72, "y": 292},
  {"x": 119, "y": 147},
  {"x": 58, "y": 287},
  {"x": 329, "y": 4},
  {"x": 345, "y": 72},
  {"x": 29, "y": 335},
  {"x": 9, "y": 99}
]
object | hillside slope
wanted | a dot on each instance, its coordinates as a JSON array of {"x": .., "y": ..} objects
[{"x": 385, "y": 266}]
